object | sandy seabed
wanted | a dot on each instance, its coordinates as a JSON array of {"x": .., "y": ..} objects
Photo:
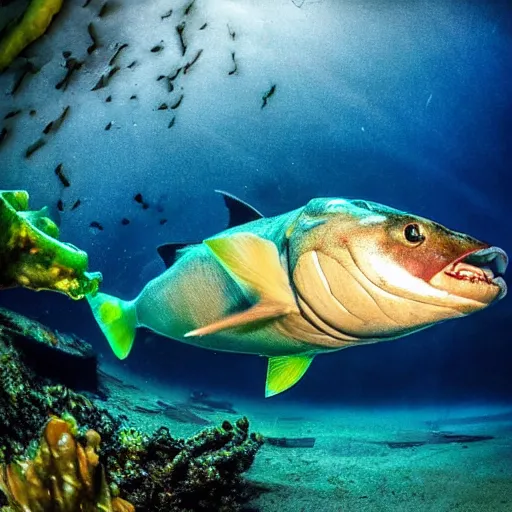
[{"x": 351, "y": 468}]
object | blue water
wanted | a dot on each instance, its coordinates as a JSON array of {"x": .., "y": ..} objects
[{"x": 415, "y": 113}]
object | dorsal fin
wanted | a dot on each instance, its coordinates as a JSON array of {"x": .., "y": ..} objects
[
  {"x": 168, "y": 252},
  {"x": 240, "y": 212}
]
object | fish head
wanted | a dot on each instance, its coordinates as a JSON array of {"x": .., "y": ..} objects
[{"x": 369, "y": 272}]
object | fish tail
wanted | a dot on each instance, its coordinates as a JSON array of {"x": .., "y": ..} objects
[{"x": 117, "y": 319}]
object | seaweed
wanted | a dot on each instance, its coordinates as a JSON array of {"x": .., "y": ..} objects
[
  {"x": 34, "y": 23},
  {"x": 31, "y": 254},
  {"x": 152, "y": 471},
  {"x": 64, "y": 475}
]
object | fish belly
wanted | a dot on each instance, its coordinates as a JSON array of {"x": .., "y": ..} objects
[{"x": 196, "y": 291}]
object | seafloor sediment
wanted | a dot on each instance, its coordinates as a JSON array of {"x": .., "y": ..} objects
[
  {"x": 53, "y": 438},
  {"x": 362, "y": 459}
]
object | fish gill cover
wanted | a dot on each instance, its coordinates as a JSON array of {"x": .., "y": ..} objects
[{"x": 124, "y": 117}]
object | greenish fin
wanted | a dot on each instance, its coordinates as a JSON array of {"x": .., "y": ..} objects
[
  {"x": 117, "y": 319},
  {"x": 284, "y": 372}
]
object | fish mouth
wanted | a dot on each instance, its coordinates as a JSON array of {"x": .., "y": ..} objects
[{"x": 476, "y": 275}]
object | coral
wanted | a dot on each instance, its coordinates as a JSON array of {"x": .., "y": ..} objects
[
  {"x": 163, "y": 473},
  {"x": 31, "y": 256},
  {"x": 26, "y": 398},
  {"x": 33, "y": 25},
  {"x": 64, "y": 476},
  {"x": 153, "y": 471},
  {"x": 62, "y": 357}
]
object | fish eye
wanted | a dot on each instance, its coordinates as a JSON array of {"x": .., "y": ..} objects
[{"x": 413, "y": 234}]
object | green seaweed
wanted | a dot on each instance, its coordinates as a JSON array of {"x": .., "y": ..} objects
[
  {"x": 33, "y": 24},
  {"x": 32, "y": 257}
]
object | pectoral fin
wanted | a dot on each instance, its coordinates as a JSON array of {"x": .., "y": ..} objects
[
  {"x": 259, "y": 312},
  {"x": 284, "y": 372},
  {"x": 254, "y": 263}
]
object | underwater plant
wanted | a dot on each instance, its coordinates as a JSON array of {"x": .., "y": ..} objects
[
  {"x": 64, "y": 475},
  {"x": 32, "y": 256},
  {"x": 203, "y": 472},
  {"x": 153, "y": 471},
  {"x": 34, "y": 23}
]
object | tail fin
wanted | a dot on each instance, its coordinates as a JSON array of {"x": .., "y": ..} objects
[{"x": 117, "y": 319}]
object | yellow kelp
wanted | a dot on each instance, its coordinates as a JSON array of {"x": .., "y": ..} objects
[
  {"x": 33, "y": 25},
  {"x": 64, "y": 476}
]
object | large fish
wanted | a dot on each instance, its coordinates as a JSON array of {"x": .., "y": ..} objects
[{"x": 334, "y": 274}]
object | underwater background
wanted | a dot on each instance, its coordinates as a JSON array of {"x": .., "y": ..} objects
[{"x": 403, "y": 103}]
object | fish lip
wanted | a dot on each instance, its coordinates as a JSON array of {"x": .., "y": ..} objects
[
  {"x": 480, "y": 258},
  {"x": 488, "y": 255}
]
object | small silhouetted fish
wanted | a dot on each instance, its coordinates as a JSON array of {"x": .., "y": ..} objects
[
  {"x": 38, "y": 144},
  {"x": 163, "y": 106},
  {"x": 145, "y": 206},
  {"x": 192, "y": 62},
  {"x": 125, "y": 221},
  {"x": 32, "y": 113},
  {"x": 66, "y": 54},
  {"x": 180, "y": 29},
  {"x": 163, "y": 221},
  {"x": 268, "y": 95},
  {"x": 175, "y": 75},
  {"x": 108, "y": 99},
  {"x": 3, "y": 134},
  {"x": 232, "y": 33},
  {"x": 171, "y": 124},
  {"x": 72, "y": 65},
  {"x": 168, "y": 14},
  {"x": 12, "y": 114},
  {"x": 105, "y": 78},
  {"x": 174, "y": 106},
  {"x": 76, "y": 204},
  {"x": 109, "y": 125},
  {"x": 202, "y": 27},
  {"x": 157, "y": 48},
  {"x": 87, "y": 2},
  {"x": 94, "y": 38},
  {"x": 116, "y": 54},
  {"x": 96, "y": 225},
  {"x": 138, "y": 198},
  {"x": 60, "y": 205},
  {"x": 53, "y": 126},
  {"x": 104, "y": 9},
  {"x": 189, "y": 7},
  {"x": 133, "y": 97},
  {"x": 130, "y": 66},
  {"x": 160, "y": 77},
  {"x": 235, "y": 65},
  {"x": 62, "y": 177}
]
